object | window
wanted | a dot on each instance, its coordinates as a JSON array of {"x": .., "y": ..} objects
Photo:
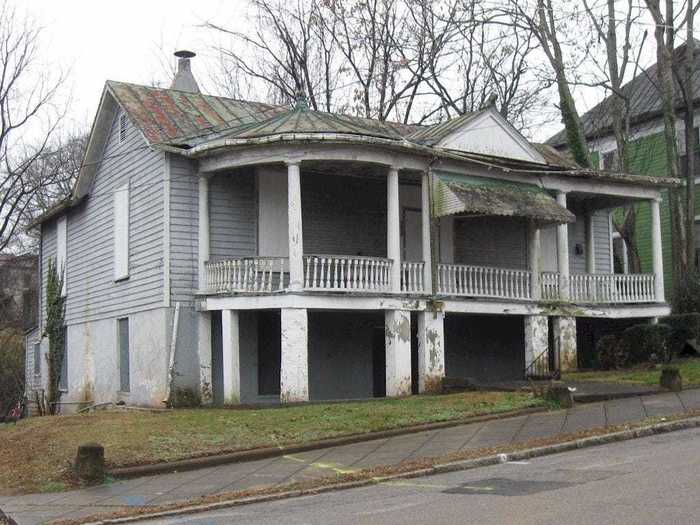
[
  {"x": 37, "y": 359},
  {"x": 123, "y": 345},
  {"x": 121, "y": 232},
  {"x": 63, "y": 380},
  {"x": 61, "y": 242},
  {"x": 123, "y": 127}
]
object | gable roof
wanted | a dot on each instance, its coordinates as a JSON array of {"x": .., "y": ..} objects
[{"x": 644, "y": 99}]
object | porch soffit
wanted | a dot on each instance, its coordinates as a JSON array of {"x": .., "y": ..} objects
[{"x": 455, "y": 195}]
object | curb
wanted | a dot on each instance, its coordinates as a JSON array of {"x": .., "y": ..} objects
[
  {"x": 614, "y": 437},
  {"x": 270, "y": 452}
]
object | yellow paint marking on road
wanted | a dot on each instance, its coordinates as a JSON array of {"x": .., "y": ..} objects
[
  {"x": 335, "y": 467},
  {"x": 417, "y": 485}
]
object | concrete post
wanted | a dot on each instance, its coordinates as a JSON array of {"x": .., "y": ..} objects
[
  {"x": 533, "y": 252},
  {"x": 231, "y": 356},
  {"x": 393, "y": 225},
  {"x": 536, "y": 337},
  {"x": 590, "y": 244},
  {"x": 431, "y": 352},
  {"x": 397, "y": 331},
  {"x": 565, "y": 340},
  {"x": 204, "y": 352},
  {"x": 425, "y": 225},
  {"x": 203, "y": 250},
  {"x": 657, "y": 253},
  {"x": 563, "y": 252},
  {"x": 294, "y": 375},
  {"x": 296, "y": 241}
]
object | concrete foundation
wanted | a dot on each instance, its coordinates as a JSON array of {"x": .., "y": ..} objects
[
  {"x": 294, "y": 373},
  {"x": 536, "y": 337},
  {"x": 231, "y": 363},
  {"x": 431, "y": 351},
  {"x": 564, "y": 329},
  {"x": 204, "y": 351},
  {"x": 397, "y": 332}
]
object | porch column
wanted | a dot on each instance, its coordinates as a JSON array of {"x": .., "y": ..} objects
[
  {"x": 536, "y": 338},
  {"x": 533, "y": 252},
  {"x": 397, "y": 330},
  {"x": 231, "y": 356},
  {"x": 657, "y": 261},
  {"x": 425, "y": 238},
  {"x": 393, "y": 233},
  {"x": 296, "y": 241},
  {"x": 204, "y": 352},
  {"x": 590, "y": 244},
  {"x": 203, "y": 250},
  {"x": 565, "y": 342},
  {"x": 563, "y": 252},
  {"x": 294, "y": 373},
  {"x": 431, "y": 351}
]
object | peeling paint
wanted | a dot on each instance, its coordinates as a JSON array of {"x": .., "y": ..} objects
[
  {"x": 294, "y": 373},
  {"x": 397, "y": 330},
  {"x": 431, "y": 351},
  {"x": 536, "y": 337},
  {"x": 565, "y": 339}
]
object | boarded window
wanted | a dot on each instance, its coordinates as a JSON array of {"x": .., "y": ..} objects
[
  {"x": 61, "y": 243},
  {"x": 121, "y": 232},
  {"x": 37, "y": 358},
  {"x": 123, "y": 344},
  {"x": 123, "y": 126},
  {"x": 63, "y": 380}
]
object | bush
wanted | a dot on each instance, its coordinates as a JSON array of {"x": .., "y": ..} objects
[
  {"x": 184, "y": 398},
  {"x": 688, "y": 299},
  {"x": 684, "y": 326},
  {"x": 637, "y": 344},
  {"x": 607, "y": 355}
]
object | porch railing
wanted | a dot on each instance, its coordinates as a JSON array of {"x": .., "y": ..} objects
[
  {"x": 549, "y": 286},
  {"x": 341, "y": 272},
  {"x": 611, "y": 288},
  {"x": 247, "y": 274},
  {"x": 412, "y": 276},
  {"x": 483, "y": 281}
]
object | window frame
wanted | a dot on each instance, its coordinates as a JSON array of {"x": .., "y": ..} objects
[
  {"x": 36, "y": 349},
  {"x": 123, "y": 123},
  {"x": 124, "y": 357}
]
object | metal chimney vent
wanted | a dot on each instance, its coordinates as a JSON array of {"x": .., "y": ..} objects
[{"x": 184, "y": 79}]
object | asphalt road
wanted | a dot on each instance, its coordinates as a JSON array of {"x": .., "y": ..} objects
[{"x": 649, "y": 480}]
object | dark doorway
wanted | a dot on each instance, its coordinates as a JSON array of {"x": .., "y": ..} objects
[
  {"x": 269, "y": 352},
  {"x": 414, "y": 353},
  {"x": 217, "y": 360},
  {"x": 378, "y": 363}
]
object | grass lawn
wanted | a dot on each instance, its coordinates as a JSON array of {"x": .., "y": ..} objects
[
  {"x": 35, "y": 453},
  {"x": 689, "y": 368}
]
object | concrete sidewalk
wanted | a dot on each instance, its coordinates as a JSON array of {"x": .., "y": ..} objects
[{"x": 156, "y": 490}]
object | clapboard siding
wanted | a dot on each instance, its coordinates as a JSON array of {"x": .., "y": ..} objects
[
  {"x": 232, "y": 216},
  {"x": 48, "y": 252},
  {"x": 184, "y": 220},
  {"x": 601, "y": 240},
  {"x": 491, "y": 241},
  {"x": 343, "y": 215},
  {"x": 92, "y": 292}
]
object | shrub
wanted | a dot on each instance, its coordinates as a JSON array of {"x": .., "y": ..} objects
[
  {"x": 607, "y": 356},
  {"x": 184, "y": 398},
  {"x": 637, "y": 344},
  {"x": 688, "y": 297},
  {"x": 684, "y": 326}
]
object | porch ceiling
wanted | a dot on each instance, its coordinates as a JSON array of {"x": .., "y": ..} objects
[{"x": 480, "y": 196}]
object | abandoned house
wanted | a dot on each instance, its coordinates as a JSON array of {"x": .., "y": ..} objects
[{"x": 254, "y": 253}]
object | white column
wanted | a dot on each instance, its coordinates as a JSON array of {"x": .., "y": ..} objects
[
  {"x": 657, "y": 254},
  {"x": 590, "y": 243},
  {"x": 203, "y": 251},
  {"x": 294, "y": 373},
  {"x": 564, "y": 329},
  {"x": 296, "y": 240},
  {"x": 536, "y": 337},
  {"x": 563, "y": 252},
  {"x": 397, "y": 330},
  {"x": 533, "y": 252},
  {"x": 431, "y": 351},
  {"x": 231, "y": 356},
  {"x": 206, "y": 393},
  {"x": 393, "y": 224},
  {"x": 425, "y": 224}
]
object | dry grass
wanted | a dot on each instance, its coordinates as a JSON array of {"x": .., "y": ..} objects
[{"x": 35, "y": 453}]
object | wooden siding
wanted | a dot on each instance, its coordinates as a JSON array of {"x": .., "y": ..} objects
[
  {"x": 184, "y": 217},
  {"x": 232, "y": 216},
  {"x": 92, "y": 292},
  {"x": 601, "y": 233},
  {"x": 48, "y": 252},
  {"x": 491, "y": 241}
]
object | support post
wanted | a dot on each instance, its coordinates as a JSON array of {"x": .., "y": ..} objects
[
  {"x": 425, "y": 234},
  {"x": 536, "y": 337},
  {"x": 296, "y": 241},
  {"x": 590, "y": 243},
  {"x": 393, "y": 224},
  {"x": 533, "y": 252},
  {"x": 397, "y": 330},
  {"x": 231, "y": 356},
  {"x": 565, "y": 340},
  {"x": 203, "y": 250},
  {"x": 294, "y": 373},
  {"x": 563, "y": 252},
  {"x": 431, "y": 352},
  {"x": 206, "y": 393},
  {"x": 657, "y": 254}
]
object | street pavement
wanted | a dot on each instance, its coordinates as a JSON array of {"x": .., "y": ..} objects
[
  {"x": 648, "y": 480},
  {"x": 167, "y": 488}
]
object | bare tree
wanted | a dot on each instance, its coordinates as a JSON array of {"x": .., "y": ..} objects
[{"x": 28, "y": 120}]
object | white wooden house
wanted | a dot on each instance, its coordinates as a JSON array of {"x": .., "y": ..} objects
[{"x": 257, "y": 253}]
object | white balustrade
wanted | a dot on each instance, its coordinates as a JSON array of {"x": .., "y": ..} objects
[
  {"x": 483, "y": 281},
  {"x": 549, "y": 282},
  {"x": 347, "y": 273},
  {"x": 612, "y": 288},
  {"x": 412, "y": 276},
  {"x": 247, "y": 274}
]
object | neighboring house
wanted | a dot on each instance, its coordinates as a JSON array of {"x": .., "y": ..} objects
[
  {"x": 256, "y": 253},
  {"x": 646, "y": 153},
  {"x": 19, "y": 281}
]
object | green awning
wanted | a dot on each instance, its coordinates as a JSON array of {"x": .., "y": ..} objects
[{"x": 461, "y": 195}]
